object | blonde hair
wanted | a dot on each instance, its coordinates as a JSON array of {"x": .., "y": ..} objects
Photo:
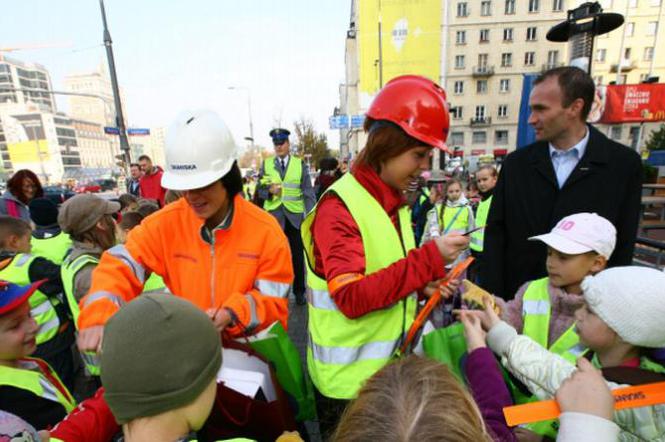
[{"x": 413, "y": 399}]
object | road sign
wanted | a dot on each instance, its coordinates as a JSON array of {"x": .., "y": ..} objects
[
  {"x": 339, "y": 122},
  {"x": 111, "y": 130},
  {"x": 357, "y": 121},
  {"x": 138, "y": 131}
]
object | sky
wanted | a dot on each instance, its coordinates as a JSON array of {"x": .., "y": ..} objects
[{"x": 174, "y": 55}]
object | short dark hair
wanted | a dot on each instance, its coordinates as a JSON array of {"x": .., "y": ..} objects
[
  {"x": 135, "y": 165},
  {"x": 145, "y": 157},
  {"x": 130, "y": 220},
  {"x": 126, "y": 199},
  {"x": 12, "y": 226},
  {"x": 574, "y": 84},
  {"x": 232, "y": 181}
]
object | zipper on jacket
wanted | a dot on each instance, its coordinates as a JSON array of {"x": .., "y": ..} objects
[{"x": 212, "y": 271}]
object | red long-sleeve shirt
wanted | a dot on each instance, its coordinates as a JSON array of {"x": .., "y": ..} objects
[
  {"x": 338, "y": 250},
  {"x": 91, "y": 421}
]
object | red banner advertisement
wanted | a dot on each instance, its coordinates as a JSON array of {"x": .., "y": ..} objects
[{"x": 634, "y": 103}]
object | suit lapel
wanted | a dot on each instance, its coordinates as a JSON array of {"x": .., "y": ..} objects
[
  {"x": 543, "y": 163},
  {"x": 594, "y": 157}
]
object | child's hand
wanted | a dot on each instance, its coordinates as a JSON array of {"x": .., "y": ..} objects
[
  {"x": 473, "y": 331},
  {"x": 488, "y": 317},
  {"x": 585, "y": 391}
]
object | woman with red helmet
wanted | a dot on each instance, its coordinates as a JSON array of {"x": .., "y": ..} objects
[{"x": 364, "y": 271}]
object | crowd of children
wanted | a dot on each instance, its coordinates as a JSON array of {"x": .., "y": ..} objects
[{"x": 574, "y": 336}]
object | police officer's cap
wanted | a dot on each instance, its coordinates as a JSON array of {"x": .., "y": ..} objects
[{"x": 279, "y": 135}]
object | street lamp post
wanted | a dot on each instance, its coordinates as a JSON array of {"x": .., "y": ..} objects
[
  {"x": 120, "y": 120},
  {"x": 249, "y": 109}
]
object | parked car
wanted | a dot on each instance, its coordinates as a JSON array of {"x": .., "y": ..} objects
[
  {"x": 106, "y": 184},
  {"x": 91, "y": 187},
  {"x": 57, "y": 194}
]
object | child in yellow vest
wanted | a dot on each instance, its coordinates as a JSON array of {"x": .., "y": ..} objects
[
  {"x": 453, "y": 214},
  {"x": 29, "y": 388}
]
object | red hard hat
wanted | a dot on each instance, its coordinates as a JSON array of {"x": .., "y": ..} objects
[{"x": 417, "y": 105}]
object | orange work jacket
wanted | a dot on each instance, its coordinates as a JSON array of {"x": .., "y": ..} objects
[{"x": 247, "y": 269}]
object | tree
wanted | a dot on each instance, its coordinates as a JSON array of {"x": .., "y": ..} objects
[
  {"x": 309, "y": 142},
  {"x": 656, "y": 139}
]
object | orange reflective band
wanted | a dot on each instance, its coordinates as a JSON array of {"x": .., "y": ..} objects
[
  {"x": 340, "y": 281},
  {"x": 626, "y": 397}
]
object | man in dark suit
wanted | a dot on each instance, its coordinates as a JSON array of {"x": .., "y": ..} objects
[
  {"x": 287, "y": 193},
  {"x": 133, "y": 186},
  {"x": 571, "y": 168}
]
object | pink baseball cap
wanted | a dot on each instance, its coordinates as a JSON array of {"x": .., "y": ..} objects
[{"x": 581, "y": 233}]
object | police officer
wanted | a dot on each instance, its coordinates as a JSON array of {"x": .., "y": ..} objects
[{"x": 287, "y": 193}]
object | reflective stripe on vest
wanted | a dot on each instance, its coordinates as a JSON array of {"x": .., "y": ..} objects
[
  {"x": 272, "y": 288},
  {"x": 41, "y": 307},
  {"x": 53, "y": 249},
  {"x": 68, "y": 270},
  {"x": 31, "y": 378},
  {"x": 120, "y": 252},
  {"x": 536, "y": 312},
  {"x": 478, "y": 237},
  {"x": 342, "y": 352},
  {"x": 292, "y": 196}
]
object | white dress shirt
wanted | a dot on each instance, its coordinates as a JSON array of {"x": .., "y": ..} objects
[{"x": 564, "y": 161}]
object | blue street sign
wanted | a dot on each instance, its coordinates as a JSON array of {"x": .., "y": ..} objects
[
  {"x": 357, "y": 121},
  {"x": 339, "y": 122},
  {"x": 136, "y": 131},
  {"x": 111, "y": 130}
]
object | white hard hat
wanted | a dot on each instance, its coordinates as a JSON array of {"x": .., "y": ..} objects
[{"x": 199, "y": 150}]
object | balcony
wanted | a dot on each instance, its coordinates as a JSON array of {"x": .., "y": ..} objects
[
  {"x": 483, "y": 71},
  {"x": 626, "y": 66},
  {"x": 481, "y": 121},
  {"x": 548, "y": 66}
]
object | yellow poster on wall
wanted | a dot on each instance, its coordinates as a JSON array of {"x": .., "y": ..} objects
[
  {"x": 28, "y": 151},
  {"x": 410, "y": 40}
]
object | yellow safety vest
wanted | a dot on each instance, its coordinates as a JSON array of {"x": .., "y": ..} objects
[
  {"x": 41, "y": 307},
  {"x": 291, "y": 196},
  {"x": 478, "y": 237},
  {"x": 453, "y": 219},
  {"x": 342, "y": 352},
  {"x": 54, "y": 248}
]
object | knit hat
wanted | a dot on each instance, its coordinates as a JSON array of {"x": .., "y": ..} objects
[
  {"x": 81, "y": 212},
  {"x": 631, "y": 301},
  {"x": 43, "y": 212},
  {"x": 159, "y": 353},
  {"x": 581, "y": 233}
]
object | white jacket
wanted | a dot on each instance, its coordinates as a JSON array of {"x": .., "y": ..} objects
[{"x": 543, "y": 372}]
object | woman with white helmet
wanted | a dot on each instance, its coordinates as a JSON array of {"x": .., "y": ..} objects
[{"x": 219, "y": 251}]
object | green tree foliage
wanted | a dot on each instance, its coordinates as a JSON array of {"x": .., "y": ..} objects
[
  {"x": 311, "y": 145},
  {"x": 656, "y": 140}
]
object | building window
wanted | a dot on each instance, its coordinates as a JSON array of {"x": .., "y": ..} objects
[
  {"x": 462, "y": 10},
  {"x": 615, "y": 132},
  {"x": 484, "y": 35},
  {"x": 482, "y": 60},
  {"x": 623, "y": 78},
  {"x": 504, "y": 85},
  {"x": 644, "y": 77},
  {"x": 508, "y": 34},
  {"x": 630, "y": 29},
  {"x": 601, "y": 54},
  {"x": 501, "y": 137},
  {"x": 531, "y": 33},
  {"x": 459, "y": 61},
  {"x": 652, "y": 28},
  {"x": 503, "y": 111},
  {"x": 529, "y": 58},
  {"x": 648, "y": 53},
  {"x": 479, "y": 137},
  {"x": 627, "y": 52},
  {"x": 461, "y": 37},
  {"x": 481, "y": 86},
  {"x": 480, "y": 113},
  {"x": 552, "y": 59},
  {"x": 506, "y": 59},
  {"x": 457, "y": 138},
  {"x": 456, "y": 112},
  {"x": 557, "y": 5},
  {"x": 485, "y": 8},
  {"x": 534, "y": 5},
  {"x": 459, "y": 87},
  {"x": 510, "y": 7}
]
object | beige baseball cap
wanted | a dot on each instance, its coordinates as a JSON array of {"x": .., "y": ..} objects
[{"x": 81, "y": 212}]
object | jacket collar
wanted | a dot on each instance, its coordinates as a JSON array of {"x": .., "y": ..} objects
[
  {"x": 595, "y": 156},
  {"x": 390, "y": 199}
]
